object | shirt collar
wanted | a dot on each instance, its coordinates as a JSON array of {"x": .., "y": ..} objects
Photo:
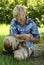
[{"x": 26, "y": 23}]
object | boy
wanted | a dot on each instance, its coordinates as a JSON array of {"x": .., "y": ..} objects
[{"x": 24, "y": 29}]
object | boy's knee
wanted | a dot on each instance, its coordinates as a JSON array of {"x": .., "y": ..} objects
[{"x": 17, "y": 57}]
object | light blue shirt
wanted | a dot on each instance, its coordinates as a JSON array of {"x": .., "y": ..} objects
[{"x": 28, "y": 28}]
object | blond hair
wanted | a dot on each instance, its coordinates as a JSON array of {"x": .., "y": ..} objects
[{"x": 19, "y": 11}]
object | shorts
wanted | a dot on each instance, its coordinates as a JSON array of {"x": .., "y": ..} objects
[{"x": 21, "y": 51}]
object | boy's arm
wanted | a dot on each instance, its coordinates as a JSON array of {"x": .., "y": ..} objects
[{"x": 28, "y": 37}]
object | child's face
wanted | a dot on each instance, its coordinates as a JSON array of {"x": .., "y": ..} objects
[
  {"x": 7, "y": 43},
  {"x": 20, "y": 20}
]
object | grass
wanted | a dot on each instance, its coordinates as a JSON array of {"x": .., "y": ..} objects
[{"x": 8, "y": 59}]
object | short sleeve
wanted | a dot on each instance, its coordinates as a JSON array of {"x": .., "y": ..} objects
[
  {"x": 35, "y": 31},
  {"x": 13, "y": 29}
]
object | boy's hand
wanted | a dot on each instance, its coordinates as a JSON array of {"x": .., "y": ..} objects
[{"x": 23, "y": 36}]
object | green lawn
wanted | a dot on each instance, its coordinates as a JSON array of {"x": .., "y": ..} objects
[{"x": 8, "y": 59}]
